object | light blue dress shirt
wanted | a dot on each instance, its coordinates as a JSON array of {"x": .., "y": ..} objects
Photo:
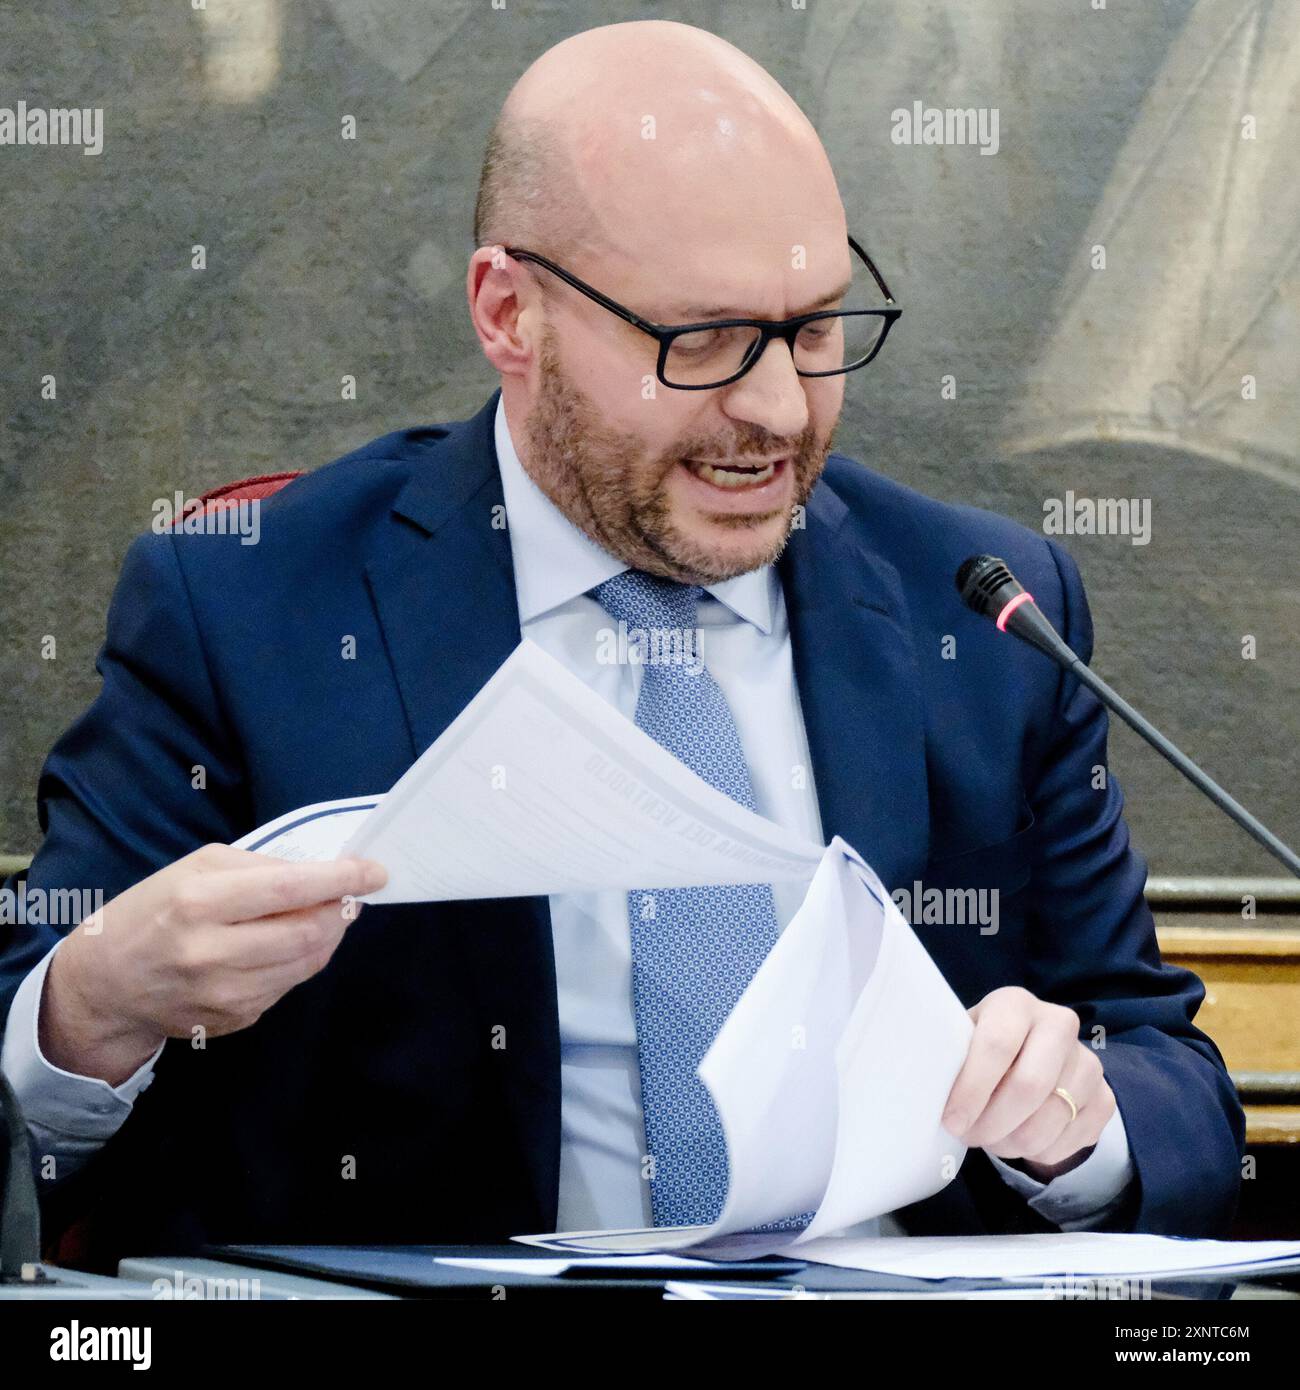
[{"x": 745, "y": 641}]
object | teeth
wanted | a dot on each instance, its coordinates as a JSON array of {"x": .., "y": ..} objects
[{"x": 731, "y": 478}]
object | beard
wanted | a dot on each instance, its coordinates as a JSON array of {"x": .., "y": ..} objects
[{"x": 603, "y": 480}]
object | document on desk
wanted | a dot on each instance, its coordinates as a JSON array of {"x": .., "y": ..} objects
[
  {"x": 829, "y": 1077},
  {"x": 1052, "y": 1255},
  {"x": 539, "y": 786}
]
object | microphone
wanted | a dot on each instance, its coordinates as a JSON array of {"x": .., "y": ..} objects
[{"x": 988, "y": 586}]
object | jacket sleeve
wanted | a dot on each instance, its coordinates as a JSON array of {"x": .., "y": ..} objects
[
  {"x": 148, "y": 773},
  {"x": 1093, "y": 947}
]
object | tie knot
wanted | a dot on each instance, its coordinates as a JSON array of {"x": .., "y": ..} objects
[{"x": 644, "y": 600}]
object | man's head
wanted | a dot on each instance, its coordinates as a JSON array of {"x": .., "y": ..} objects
[{"x": 669, "y": 171}]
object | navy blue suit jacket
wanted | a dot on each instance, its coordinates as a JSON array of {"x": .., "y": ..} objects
[{"x": 976, "y": 771}]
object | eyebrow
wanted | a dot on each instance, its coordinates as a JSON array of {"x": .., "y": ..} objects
[{"x": 691, "y": 313}]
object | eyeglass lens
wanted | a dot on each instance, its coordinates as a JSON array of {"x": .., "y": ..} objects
[{"x": 823, "y": 345}]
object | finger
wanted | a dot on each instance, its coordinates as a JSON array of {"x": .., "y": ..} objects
[
  {"x": 1052, "y": 1134},
  {"x": 234, "y": 1000},
  {"x": 288, "y": 936},
  {"x": 215, "y": 857},
  {"x": 1002, "y": 1021},
  {"x": 269, "y": 985},
  {"x": 269, "y": 941},
  {"x": 1083, "y": 1133},
  {"x": 1053, "y": 1036},
  {"x": 271, "y": 887}
]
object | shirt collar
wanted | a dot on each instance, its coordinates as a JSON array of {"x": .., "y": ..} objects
[{"x": 554, "y": 561}]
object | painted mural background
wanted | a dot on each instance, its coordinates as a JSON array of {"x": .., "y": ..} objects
[{"x": 1165, "y": 134}]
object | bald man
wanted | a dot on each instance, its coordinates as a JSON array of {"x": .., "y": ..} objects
[{"x": 470, "y": 1071}]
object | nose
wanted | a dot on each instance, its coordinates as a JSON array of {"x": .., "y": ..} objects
[{"x": 770, "y": 394}]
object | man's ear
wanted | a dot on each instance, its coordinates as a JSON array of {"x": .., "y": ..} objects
[{"x": 501, "y": 310}]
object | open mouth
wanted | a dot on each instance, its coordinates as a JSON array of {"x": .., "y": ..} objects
[{"x": 734, "y": 476}]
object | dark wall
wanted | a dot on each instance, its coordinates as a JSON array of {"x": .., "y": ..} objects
[{"x": 1118, "y": 127}]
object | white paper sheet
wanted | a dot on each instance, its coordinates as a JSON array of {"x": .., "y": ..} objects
[
  {"x": 829, "y": 1077},
  {"x": 896, "y": 1061},
  {"x": 1047, "y": 1255},
  {"x": 699, "y": 1292},
  {"x": 539, "y": 786},
  {"x": 311, "y": 833},
  {"x": 541, "y": 1268}
]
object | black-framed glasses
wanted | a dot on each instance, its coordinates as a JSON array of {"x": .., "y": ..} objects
[{"x": 716, "y": 352}]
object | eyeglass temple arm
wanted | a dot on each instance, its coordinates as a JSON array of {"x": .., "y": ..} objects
[
  {"x": 612, "y": 305},
  {"x": 871, "y": 266}
]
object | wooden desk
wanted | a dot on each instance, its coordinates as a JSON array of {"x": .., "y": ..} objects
[
  {"x": 1251, "y": 970},
  {"x": 1252, "y": 1011}
]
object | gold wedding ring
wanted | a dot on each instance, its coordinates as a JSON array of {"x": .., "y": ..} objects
[{"x": 1069, "y": 1100}]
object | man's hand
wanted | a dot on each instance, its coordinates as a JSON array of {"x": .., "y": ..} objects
[
  {"x": 211, "y": 941},
  {"x": 1004, "y": 1099}
]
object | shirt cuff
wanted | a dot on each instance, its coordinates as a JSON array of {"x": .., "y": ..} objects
[
  {"x": 1085, "y": 1195},
  {"x": 53, "y": 1100}
]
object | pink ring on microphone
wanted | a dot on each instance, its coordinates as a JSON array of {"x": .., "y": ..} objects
[{"x": 1011, "y": 608}]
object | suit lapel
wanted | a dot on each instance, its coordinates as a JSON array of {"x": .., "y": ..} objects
[
  {"x": 441, "y": 579},
  {"x": 443, "y": 586},
  {"x": 856, "y": 670}
]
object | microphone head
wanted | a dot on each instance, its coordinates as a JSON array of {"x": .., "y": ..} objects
[{"x": 986, "y": 584}]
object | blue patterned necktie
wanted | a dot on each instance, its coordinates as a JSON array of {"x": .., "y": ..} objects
[{"x": 694, "y": 950}]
